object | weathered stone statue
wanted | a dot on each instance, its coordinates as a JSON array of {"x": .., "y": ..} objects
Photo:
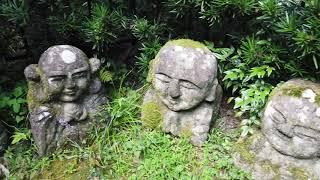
[
  {"x": 290, "y": 144},
  {"x": 185, "y": 94},
  {"x": 63, "y": 95}
]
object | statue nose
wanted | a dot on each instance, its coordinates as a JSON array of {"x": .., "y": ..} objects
[
  {"x": 70, "y": 84},
  {"x": 174, "y": 90}
]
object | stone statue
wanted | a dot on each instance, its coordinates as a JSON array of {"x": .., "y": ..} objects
[
  {"x": 63, "y": 95},
  {"x": 185, "y": 94},
  {"x": 291, "y": 121},
  {"x": 289, "y": 146}
]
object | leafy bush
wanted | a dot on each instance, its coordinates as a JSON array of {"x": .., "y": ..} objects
[
  {"x": 103, "y": 27},
  {"x": 249, "y": 71}
]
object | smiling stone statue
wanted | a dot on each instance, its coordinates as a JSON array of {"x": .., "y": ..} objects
[
  {"x": 185, "y": 94},
  {"x": 292, "y": 123},
  {"x": 289, "y": 146},
  {"x": 63, "y": 95}
]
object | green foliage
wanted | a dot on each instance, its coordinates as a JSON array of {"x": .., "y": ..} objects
[
  {"x": 145, "y": 30},
  {"x": 19, "y": 136},
  {"x": 127, "y": 150},
  {"x": 15, "y": 11},
  {"x": 124, "y": 110},
  {"x": 214, "y": 11},
  {"x": 249, "y": 72},
  {"x": 105, "y": 75},
  {"x": 13, "y": 104},
  {"x": 148, "y": 51},
  {"x": 65, "y": 23},
  {"x": 103, "y": 27},
  {"x": 150, "y": 36}
]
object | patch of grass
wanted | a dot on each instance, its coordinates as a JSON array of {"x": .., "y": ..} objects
[{"x": 125, "y": 149}]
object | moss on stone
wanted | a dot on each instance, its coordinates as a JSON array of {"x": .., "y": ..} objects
[
  {"x": 269, "y": 167},
  {"x": 152, "y": 115},
  {"x": 186, "y": 131},
  {"x": 318, "y": 99},
  {"x": 292, "y": 91},
  {"x": 178, "y": 42},
  {"x": 66, "y": 169},
  {"x": 32, "y": 99},
  {"x": 151, "y": 71},
  {"x": 186, "y": 43},
  {"x": 299, "y": 173},
  {"x": 243, "y": 147}
]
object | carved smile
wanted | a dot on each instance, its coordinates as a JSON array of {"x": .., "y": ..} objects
[
  {"x": 173, "y": 102},
  {"x": 69, "y": 93}
]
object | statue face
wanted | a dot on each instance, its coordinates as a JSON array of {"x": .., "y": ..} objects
[
  {"x": 66, "y": 72},
  {"x": 183, "y": 77},
  {"x": 292, "y": 126},
  {"x": 179, "y": 94}
]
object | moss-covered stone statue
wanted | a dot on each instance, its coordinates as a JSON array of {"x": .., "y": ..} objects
[
  {"x": 62, "y": 97},
  {"x": 289, "y": 146},
  {"x": 185, "y": 94}
]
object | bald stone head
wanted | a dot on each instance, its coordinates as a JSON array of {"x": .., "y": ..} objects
[
  {"x": 184, "y": 76},
  {"x": 64, "y": 72}
]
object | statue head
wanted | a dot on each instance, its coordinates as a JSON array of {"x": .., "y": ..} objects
[
  {"x": 184, "y": 76},
  {"x": 64, "y": 72},
  {"x": 292, "y": 124}
]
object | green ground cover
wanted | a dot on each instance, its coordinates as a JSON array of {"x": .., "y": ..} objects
[{"x": 125, "y": 149}]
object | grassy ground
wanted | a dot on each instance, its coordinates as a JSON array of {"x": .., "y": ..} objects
[{"x": 128, "y": 150}]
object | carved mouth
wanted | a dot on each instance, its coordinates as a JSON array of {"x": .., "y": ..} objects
[
  {"x": 173, "y": 102},
  {"x": 69, "y": 93}
]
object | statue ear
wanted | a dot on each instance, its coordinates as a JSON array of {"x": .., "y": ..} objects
[
  {"x": 31, "y": 72},
  {"x": 94, "y": 64},
  {"x": 214, "y": 91}
]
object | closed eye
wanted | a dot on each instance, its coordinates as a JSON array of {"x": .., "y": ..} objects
[
  {"x": 306, "y": 133},
  {"x": 56, "y": 78},
  {"x": 162, "y": 77},
  {"x": 188, "y": 84},
  {"x": 80, "y": 74},
  {"x": 277, "y": 116}
]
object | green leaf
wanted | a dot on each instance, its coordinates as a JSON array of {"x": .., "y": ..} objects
[
  {"x": 19, "y": 136},
  {"x": 19, "y": 118},
  {"x": 17, "y": 92},
  {"x": 16, "y": 107}
]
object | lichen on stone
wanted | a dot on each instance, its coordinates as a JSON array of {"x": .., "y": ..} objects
[
  {"x": 268, "y": 166},
  {"x": 178, "y": 42},
  {"x": 152, "y": 115},
  {"x": 318, "y": 99},
  {"x": 186, "y": 43},
  {"x": 292, "y": 91},
  {"x": 299, "y": 173},
  {"x": 186, "y": 131},
  {"x": 243, "y": 148}
]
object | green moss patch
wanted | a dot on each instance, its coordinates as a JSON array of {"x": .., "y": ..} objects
[
  {"x": 299, "y": 173},
  {"x": 243, "y": 148},
  {"x": 65, "y": 169},
  {"x": 186, "y": 43},
  {"x": 152, "y": 115},
  {"x": 318, "y": 99},
  {"x": 269, "y": 167},
  {"x": 293, "y": 91}
]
